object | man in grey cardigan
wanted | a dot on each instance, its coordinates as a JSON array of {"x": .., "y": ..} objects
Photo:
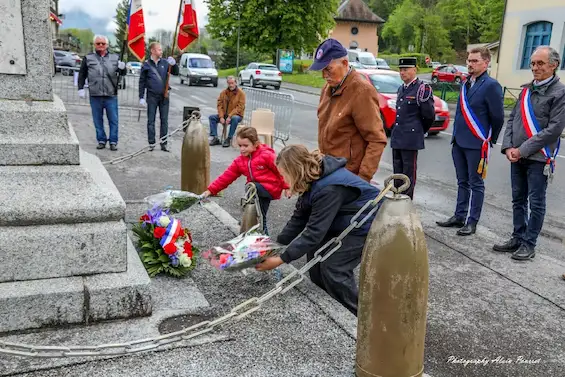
[{"x": 531, "y": 142}]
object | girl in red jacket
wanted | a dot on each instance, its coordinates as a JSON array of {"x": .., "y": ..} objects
[{"x": 257, "y": 164}]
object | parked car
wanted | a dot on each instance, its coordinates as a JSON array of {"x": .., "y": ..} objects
[
  {"x": 197, "y": 69},
  {"x": 364, "y": 57},
  {"x": 450, "y": 73},
  {"x": 382, "y": 64},
  {"x": 357, "y": 65},
  {"x": 65, "y": 59},
  {"x": 434, "y": 65},
  {"x": 259, "y": 74},
  {"x": 387, "y": 84},
  {"x": 134, "y": 67}
]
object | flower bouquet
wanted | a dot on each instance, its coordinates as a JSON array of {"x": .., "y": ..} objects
[
  {"x": 244, "y": 251},
  {"x": 165, "y": 246},
  {"x": 173, "y": 200}
]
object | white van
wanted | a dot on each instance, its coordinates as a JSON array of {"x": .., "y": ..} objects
[
  {"x": 364, "y": 57},
  {"x": 197, "y": 69}
]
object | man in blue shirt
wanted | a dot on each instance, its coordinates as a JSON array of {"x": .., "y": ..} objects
[{"x": 152, "y": 79}]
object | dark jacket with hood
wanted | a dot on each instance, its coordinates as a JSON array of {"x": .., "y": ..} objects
[{"x": 326, "y": 209}]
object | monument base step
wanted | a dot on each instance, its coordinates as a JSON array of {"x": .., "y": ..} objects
[{"x": 43, "y": 303}]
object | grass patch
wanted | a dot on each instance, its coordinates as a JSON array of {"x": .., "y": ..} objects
[
  {"x": 226, "y": 72},
  {"x": 313, "y": 79}
]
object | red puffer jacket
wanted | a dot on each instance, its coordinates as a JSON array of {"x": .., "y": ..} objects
[{"x": 260, "y": 168}]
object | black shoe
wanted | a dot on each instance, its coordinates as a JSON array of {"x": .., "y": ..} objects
[
  {"x": 151, "y": 147},
  {"x": 214, "y": 141},
  {"x": 113, "y": 147},
  {"x": 452, "y": 222},
  {"x": 525, "y": 252},
  {"x": 509, "y": 246},
  {"x": 164, "y": 148},
  {"x": 227, "y": 142},
  {"x": 101, "y": 146},
  {"x": 467, "y": 230}
]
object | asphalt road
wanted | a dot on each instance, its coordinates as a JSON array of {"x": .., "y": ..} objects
[{"x": 434, "y": 162}]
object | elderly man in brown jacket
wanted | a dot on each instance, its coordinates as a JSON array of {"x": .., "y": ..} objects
[
  {"x": 231, "y": 107},
  {"x": 349, "y": 121}
]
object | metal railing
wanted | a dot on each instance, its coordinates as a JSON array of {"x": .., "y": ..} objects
[
  {"x": 449, "y": 92},
  {"x": 65, "y": 86},
  {"x": 282, "y": 104}
]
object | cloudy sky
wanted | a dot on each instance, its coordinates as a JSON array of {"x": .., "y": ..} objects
[{"x": 159, "y": 14}]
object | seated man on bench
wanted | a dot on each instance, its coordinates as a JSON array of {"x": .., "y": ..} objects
[{"x": 231, "y": 106}]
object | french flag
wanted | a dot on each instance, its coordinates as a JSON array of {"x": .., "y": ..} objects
[
  {"x": 136, "y": 30},
  {"x": 171, "y": 233},
  {"x": 188, "y": 29}
]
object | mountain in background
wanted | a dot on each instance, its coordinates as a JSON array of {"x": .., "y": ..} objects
[{"x": 81, "y": 20}]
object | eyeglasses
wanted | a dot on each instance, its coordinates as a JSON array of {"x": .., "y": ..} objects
[
  {"x": 100, "y": 43},
  {"x": 538, "y": 63}
]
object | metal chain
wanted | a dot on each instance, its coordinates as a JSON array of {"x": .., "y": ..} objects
[
  {"x": 238, "y": 312},
  {"x": 145, "y": 149}
]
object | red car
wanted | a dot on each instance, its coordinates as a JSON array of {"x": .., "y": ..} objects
[
  {"x": 387, "y": 84},
  {"x": 450, "y": 73}
]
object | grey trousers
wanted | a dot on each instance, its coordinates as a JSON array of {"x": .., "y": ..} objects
[{"x": 335, "y": 275}]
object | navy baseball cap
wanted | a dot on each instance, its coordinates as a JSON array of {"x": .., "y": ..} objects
[{"x": 327, "y": 51}]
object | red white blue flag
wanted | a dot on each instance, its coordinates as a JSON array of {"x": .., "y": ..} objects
[
  {"x": 188, "y": 28},
  {"x": 531, "y": 126},
  {"x": 477, "y": 130},
  {"x": 136, "y": 30}
]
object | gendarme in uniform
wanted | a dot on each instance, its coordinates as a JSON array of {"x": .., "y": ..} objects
[{"x": 415, "y": 114}]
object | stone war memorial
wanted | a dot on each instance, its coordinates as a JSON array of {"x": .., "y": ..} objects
[{"x": 65, "y": 255}]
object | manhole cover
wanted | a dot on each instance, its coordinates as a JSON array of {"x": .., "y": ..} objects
[{"x": 180, "y": 322}]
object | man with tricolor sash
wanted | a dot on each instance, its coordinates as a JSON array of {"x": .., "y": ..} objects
[
  {"x": 531, "y": 143},
  {"x": 478, "y": 121}
]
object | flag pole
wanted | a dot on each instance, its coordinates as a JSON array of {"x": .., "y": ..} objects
[{"x": 173, "y": 51}]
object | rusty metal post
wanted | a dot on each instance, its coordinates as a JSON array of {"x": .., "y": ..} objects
[
  {"x": 393, "y": 291},
  {"x": 195, "y": 157}
]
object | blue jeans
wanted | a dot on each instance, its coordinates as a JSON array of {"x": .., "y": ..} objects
[
  {"x": 529, "y": 184},
  {"x": 98, "y": 104},
  {"x": 215, "y": 119},
  {"x": 162, "y": 103},
  {"x": 469, "y": 182}
]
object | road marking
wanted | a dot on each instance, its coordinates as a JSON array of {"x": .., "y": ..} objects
[
  {"x": 499, "y": 144},
  {"x": 198, "y": 99}
]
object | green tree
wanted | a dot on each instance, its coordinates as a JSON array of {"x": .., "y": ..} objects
[
  {"x": 84, "y": 36},
  {"x": 403, "y": 24},
  {"x": 121, "y": 27},
  {"x": 491, "y": 26},
  {"x": 266, "y": 25}
]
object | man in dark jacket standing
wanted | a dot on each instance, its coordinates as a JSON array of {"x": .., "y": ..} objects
[
  {"x": 152, "y": 79},
  {"x": 531, "y": 143},
  {"x": 478, "y": 121},
  {"x": 415, "y": 114},
  {"x": 102, "y": 70}
]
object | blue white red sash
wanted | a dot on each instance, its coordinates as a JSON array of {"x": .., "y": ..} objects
[
  {"x": 171, "y": 233},
  {"x": 531, "y": 126},
  {"x": 477, "y": 130}
]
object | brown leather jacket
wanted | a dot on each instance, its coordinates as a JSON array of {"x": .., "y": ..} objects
[
  {"x": 231, "y": 103},
  {"x": 350, "y": 125}
]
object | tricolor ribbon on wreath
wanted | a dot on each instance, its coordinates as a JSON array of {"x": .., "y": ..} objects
[
  {"x": 531, "y": 126},
  {"x": 477, "y": 130},
  {"x": 172, "y": 233}
]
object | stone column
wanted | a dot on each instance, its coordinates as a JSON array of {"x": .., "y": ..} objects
[{"x": 65, "y": 256}]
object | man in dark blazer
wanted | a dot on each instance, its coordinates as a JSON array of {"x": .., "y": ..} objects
[
  {"x": 415, "y": 114},
  {"x": 478, "y": 122}
]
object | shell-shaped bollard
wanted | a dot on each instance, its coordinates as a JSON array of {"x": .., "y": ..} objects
[
  {"x": 393, "y": 293},
  {"x": 195, "y": 157},
  {"x": 249, "y": 218}
]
